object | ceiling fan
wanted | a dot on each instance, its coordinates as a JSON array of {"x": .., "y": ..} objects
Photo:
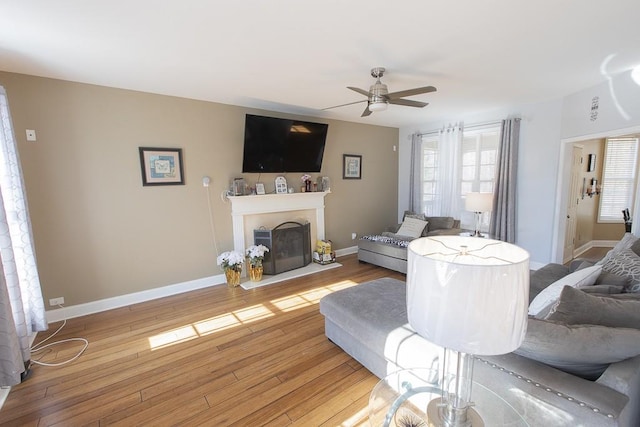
[{"x": 378, "y": 96}]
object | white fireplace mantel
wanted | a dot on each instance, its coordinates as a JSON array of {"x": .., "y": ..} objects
[{"x": 245, "y": 206}]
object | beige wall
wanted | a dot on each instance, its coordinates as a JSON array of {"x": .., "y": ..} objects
[
  {"x": 588, "y": 228},
  {"x": 99, "y": 233}
]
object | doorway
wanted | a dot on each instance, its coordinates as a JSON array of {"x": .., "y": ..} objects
[{"x": 565, "y": 187}]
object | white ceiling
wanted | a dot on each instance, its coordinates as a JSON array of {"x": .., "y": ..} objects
[{"x": 298, "y": 56}]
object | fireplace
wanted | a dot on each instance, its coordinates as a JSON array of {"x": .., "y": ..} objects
[{"x": 289, "y": 246}]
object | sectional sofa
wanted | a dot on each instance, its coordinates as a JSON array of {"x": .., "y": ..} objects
[
  {"x": 389, "y": 249},
  {"x": 576, "y": 367}
]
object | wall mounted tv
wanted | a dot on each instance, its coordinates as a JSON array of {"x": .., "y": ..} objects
[{"x": 282, "y": 145}]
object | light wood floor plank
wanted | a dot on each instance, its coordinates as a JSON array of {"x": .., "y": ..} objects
[{"x": 216, "y": 356}]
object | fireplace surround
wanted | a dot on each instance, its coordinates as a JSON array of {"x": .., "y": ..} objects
[{"x": 249, "y": 213}]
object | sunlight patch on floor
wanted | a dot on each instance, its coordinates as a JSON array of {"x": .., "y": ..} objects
[{"x": 245, "y": 315}]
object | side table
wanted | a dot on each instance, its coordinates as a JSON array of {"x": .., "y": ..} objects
[{"x": 401, "y": 400}]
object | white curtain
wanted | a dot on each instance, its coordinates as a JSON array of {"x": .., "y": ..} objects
[
  {"x": 415, "y": 174},
  {"x": 21, "y": 305},
  {"x": 448, "y": 201}
]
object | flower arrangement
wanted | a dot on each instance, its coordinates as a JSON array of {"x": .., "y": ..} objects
[
  {"x": 305, "y": 177},
  {"x": 255, "y": 254},
  {"x": 231, "y": 260}
]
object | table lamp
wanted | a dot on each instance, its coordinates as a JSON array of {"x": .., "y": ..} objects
[
  {"x": 478, "y": 203},
  {"x": 469, "y": 296}
]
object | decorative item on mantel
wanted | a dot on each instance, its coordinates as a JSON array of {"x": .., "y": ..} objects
[
  {"x": 231, "y": 262},
  {"x": 255, "y": 255},
  {"x": 306, "y": 183}
]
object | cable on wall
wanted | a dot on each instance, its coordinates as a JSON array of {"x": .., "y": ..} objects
[{"x": 211, "y": 222}]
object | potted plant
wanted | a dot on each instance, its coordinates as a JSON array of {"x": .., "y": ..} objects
[
  {"x": 231, "y": 262},
  {"x": 255, "y": 255}
]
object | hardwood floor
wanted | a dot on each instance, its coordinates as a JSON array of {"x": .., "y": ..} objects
[{"x": 218, "y": 357}]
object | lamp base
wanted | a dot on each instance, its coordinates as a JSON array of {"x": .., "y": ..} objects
[{"x": 435, "y": 413}]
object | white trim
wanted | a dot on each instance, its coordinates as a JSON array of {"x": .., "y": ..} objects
[
  {"x": 536, "y": 265},
  {"x": 4, "y": 393},
  {"x": 561, "y": 197},
  {"x": 92, "y": 307},
  {"x": 243, "y": 207},
  {"x": 346, "y": 251},
  {"x": 593, "y": 244},
  {"x": 134, "y": 298}
]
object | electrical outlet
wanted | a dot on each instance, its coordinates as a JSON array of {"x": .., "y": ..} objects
[
  {"x": 54, "y": 302},
  {"x": 353, "y": 236},
  {"x": 31, "y": 135}
]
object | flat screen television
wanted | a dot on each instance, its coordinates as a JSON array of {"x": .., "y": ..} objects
[{"x": 282, "y": 145}]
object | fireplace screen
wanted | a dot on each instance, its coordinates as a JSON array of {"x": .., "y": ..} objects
[{"x": 289, "y": 246}]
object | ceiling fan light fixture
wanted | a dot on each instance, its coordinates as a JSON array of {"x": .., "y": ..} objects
[{"x": 378, "y": 106}]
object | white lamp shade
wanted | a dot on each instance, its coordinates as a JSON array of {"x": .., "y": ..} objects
[
  {"x": 475, "y": 303},
  {"x": 478, "y": 202}
]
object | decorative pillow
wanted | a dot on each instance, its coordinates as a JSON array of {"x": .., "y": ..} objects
[
  {"x": 412, "y": 227},
  {"x": 420, "y": 217},
  {"x": 543, "y": 301},
  {"x": 582, "y": 350},
  {"x": 440, "y": 222},
  {"x": 602, "y": 289},
  {"x": 623, "y": 263},
  {"x": 636, "y": 247},
  {"x": 576, "y": 307},
  {"x": 627, "y": 242},
  {"x": 610, "y": 279}
]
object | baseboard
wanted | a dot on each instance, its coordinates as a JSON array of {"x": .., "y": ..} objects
[
  {"x": 535, "y": 265},
  {"x": 347, "y": 251},
  {"x": 593, "y": 244},
  {"x": 70, "y": 312},
  {"x": 4, "y": 393}
]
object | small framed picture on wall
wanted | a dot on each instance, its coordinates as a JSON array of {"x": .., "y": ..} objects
[
  {"x": 351, "y": 166},
  {"x": 161, "y": 166}
]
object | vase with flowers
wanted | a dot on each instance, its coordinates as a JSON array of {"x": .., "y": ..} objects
[
  {"x": 306, "y": 181},
  {"x": 231, "y": 262},
  {"x": 255, "y": 255}
]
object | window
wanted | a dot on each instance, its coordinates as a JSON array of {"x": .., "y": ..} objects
[
  {"x": 618, "y": 178},
  {"x": 477, "y": 167},
  {"x": 479, "y": 153},
  {"x": 430, "y": 163}
]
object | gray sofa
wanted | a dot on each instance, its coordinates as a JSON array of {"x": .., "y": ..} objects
[
  {"x": 389, "y": 250},
  {"x": 369, "y": 322}
]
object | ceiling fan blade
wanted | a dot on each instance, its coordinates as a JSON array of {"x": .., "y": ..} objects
[
  {"x": 366, "y": 111},
  {"x": 360, "y": 91},
  {"x": 344, "y": 105},
  {"x": 411, "y": 92},
  {"x": 408, "y": 103}
]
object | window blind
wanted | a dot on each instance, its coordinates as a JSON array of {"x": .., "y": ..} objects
[{"x": 618, "y": 178}]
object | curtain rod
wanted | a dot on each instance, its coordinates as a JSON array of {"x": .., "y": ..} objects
[{"x": 473, "y": 126}]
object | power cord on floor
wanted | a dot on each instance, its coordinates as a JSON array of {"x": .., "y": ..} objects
[{"x": 39, "y": 347}]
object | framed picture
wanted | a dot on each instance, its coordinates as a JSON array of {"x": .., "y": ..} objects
[
  {"x": 259, "y": 188},
  {"x": 351, "y": 166},
  {"x": 161, "y": 166},
  {"x": 591, "y": 165}
]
